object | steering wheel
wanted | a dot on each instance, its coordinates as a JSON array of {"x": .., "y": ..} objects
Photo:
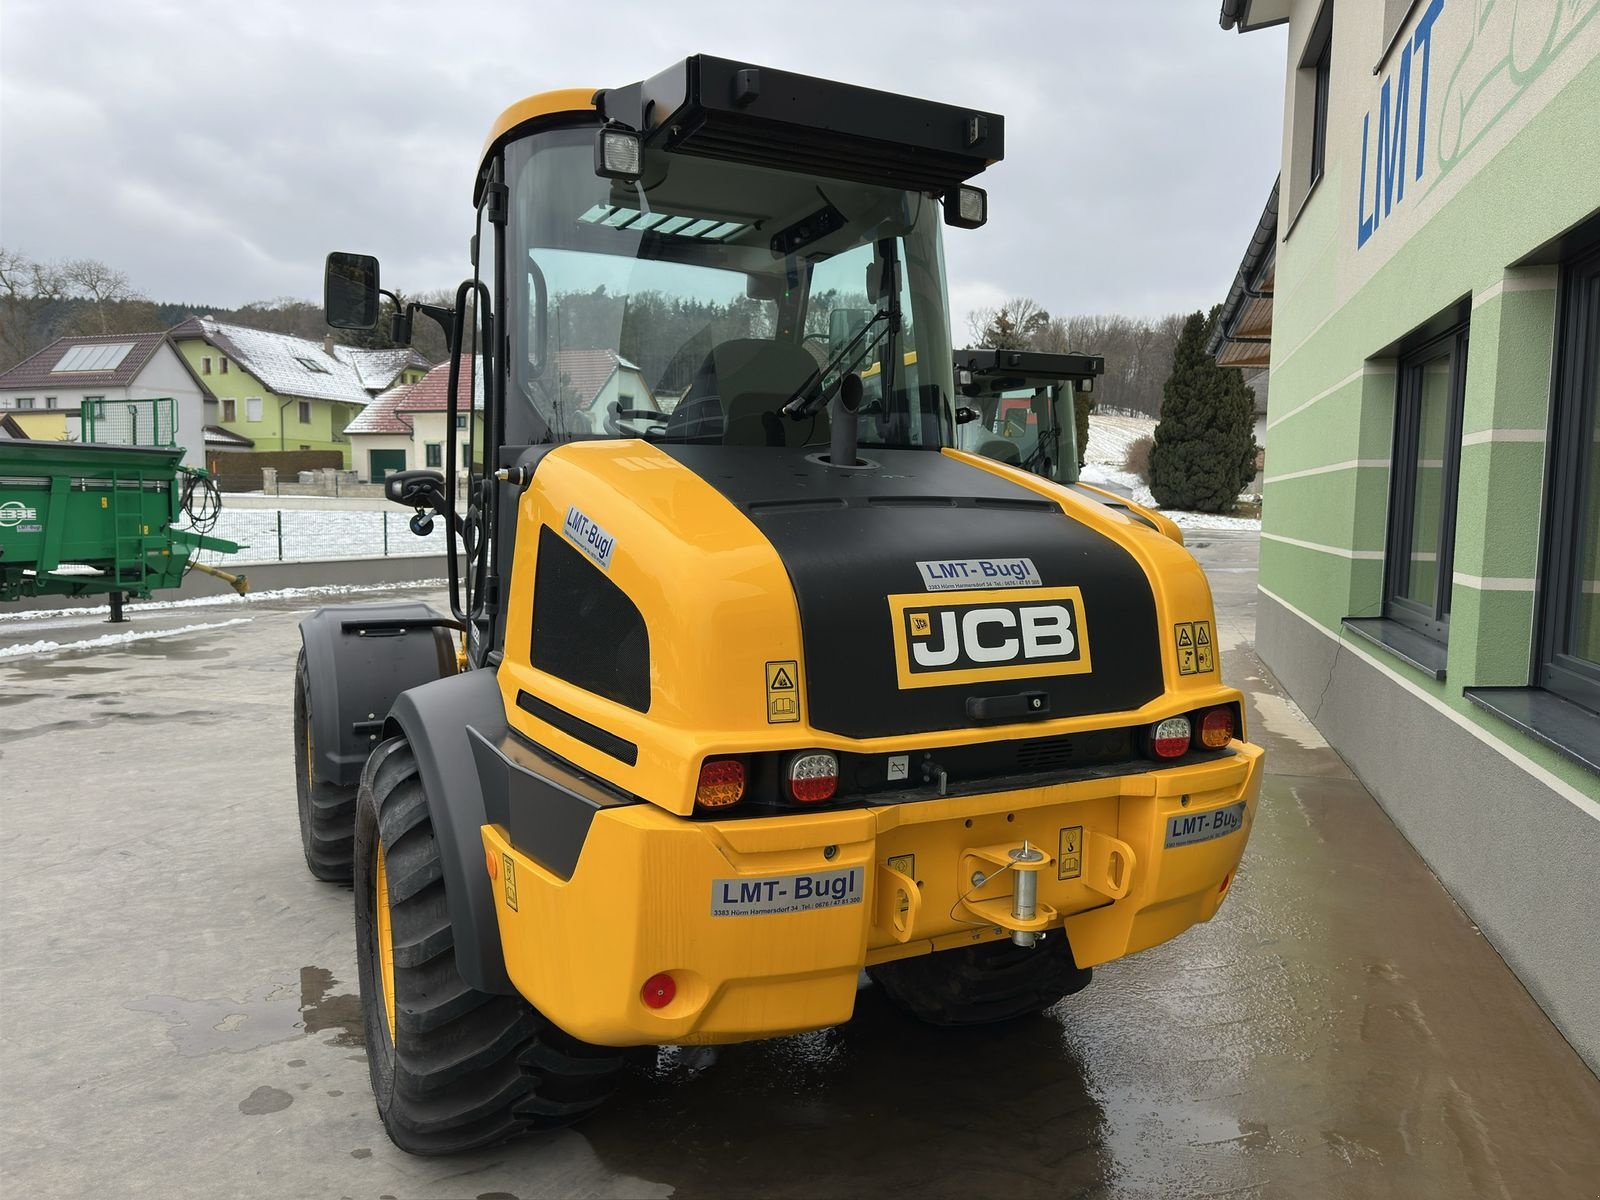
[{"x": 616, "y": 416}]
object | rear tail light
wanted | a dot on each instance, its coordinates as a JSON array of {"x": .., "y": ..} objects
[
  {"x": 1170, "y": 738},
  {"x": 812, "y": 777},
  {"x": 1216, "y": 728},
  {"x": 721, "y": 783}
]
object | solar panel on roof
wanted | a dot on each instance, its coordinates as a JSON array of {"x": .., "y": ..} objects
[{"x": 94, "y": 357}]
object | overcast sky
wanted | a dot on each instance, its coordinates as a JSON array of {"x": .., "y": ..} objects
[{"x": 216, "y": 152}]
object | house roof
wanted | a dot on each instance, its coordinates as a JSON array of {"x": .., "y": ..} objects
[
  {"x": 587, "y": 371},
  {"x": 99, "y": 361},
  {"x": 378, "y": 369},
  {"x": 381, "y": 416},
  {"x": 11, "y": 428},
  {"x": 288, "y": 365},
  {"x": 431, "y": 392},
  {"x": 1243, "y": 333},
  {"x": 1248, "y": 15},
  {"x": 216, "y": 435}
]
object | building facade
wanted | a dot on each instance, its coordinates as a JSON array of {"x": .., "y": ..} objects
[
  {"x": 48, "y": 390},
  {"x": 289, "y": 393},
  {"x": 404, "y": 429},
  {"x": 1427, "y": 279}
]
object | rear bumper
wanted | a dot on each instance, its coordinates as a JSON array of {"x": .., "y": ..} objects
[{"x": 765, "y": 924}]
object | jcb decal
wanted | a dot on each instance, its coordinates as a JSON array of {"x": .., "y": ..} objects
[{"x": 1014, "y": 633}]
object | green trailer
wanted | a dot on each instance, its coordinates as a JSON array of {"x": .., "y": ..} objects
[{"x": 80, "y": 519}]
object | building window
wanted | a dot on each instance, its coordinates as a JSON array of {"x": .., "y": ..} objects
[
  {"x": 252, "y": 408},
  {"x": 1422, "y": 497},
  {"x": 305, "y": 412},
  {"x": 230, "y": 411},
  {"x": 466, "y": 456},
  {"x": 205, "y": 364},
  {"x": 1570, "y": 609},
  {"x": 1308, "y": 153},
  {"x": 49, "y": 401},
  {"x": 24, "y": 401},
  {"x": 223, "y": 363},
  {"x": 461, "y": 421},
  {"x": 433, "y": 454}
]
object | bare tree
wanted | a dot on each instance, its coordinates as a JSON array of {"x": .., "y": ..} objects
[{"x": 100, "y": 285}]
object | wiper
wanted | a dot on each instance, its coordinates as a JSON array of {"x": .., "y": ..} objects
[{"x": 803, "y": 402}]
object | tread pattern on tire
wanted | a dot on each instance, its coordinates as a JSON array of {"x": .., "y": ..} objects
[
  {"x": 327, "y": 811},
  {"x": 466, "y": 1068},
  {"x": 983, "y": 984}
]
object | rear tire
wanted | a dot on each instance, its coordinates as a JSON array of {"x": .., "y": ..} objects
[
  {"x": 983, "y": 984},
  {"x": 327, "y": 810},
  {"x": 458, "y": 1068}
]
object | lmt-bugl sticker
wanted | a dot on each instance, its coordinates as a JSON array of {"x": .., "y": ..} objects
[
  {"x": 589, "y": 537},
  {"x": 975, "y": 637}
]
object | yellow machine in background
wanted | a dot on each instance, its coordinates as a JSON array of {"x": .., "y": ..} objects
[{"x": 764, "y": 682}]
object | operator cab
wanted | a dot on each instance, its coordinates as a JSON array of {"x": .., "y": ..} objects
[{"x": 1020, "y": 407}]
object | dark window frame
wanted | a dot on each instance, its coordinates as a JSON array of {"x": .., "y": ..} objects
[
  {"x": 1318, "y": 57},
  {"x": 1432, "y": 621},
  {"x": 433, "y": 456},
  {"x": 1573, "y": 467},
  {"x": 304, "y": 412}
]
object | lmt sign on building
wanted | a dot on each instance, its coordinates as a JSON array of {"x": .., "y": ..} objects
[{"x": 1394, "y": 97}]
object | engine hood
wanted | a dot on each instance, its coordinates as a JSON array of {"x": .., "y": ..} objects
[{"x": 936, "y": 595}]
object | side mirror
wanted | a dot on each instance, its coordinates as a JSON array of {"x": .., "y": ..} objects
[
  {"x": 415, "y": 489},
  {"x": 843, "y": 325},
  {"x": 350, "y": 291},
  {"x": 966, "y": 415}
]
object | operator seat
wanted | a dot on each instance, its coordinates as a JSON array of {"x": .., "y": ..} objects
[{"x": 735, "y": 396}]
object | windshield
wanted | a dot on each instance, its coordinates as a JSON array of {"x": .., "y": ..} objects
[{"x": 719, "y": 302}]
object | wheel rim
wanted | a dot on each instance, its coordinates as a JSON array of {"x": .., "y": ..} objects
[{"x": 385, "y": 942}]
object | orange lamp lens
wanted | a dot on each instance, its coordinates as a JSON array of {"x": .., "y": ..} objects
[
  {"x": 1216, "y": 728},
  {"x": 721, "y": 783}
]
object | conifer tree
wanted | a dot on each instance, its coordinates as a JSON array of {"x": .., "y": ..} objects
[{"x": 1205, "y": 447}]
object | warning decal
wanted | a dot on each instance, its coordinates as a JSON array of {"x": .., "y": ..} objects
[
  {"x": 783, "y": 692},
  {"x": 1069, "y": 862},
  {"x": 1195, "y": 651},
  {"x": 511, "y": 881}
]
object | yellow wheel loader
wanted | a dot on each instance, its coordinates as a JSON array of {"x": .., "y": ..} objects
[{"x": 751, "y": 680}]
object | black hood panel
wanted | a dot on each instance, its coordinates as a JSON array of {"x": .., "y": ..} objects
[{"x": 851, "y": 540}]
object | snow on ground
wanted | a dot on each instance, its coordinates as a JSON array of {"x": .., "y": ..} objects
[
  {"x": 1110, "y": 437},
  {"x": 111, "y": 639},
  {"x": 290, "y": 593},
  {"x": 318, "y": 534}
]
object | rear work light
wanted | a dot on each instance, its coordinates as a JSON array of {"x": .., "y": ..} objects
[
  {"x": 1216, "y": 728},
  {"x": 721, "y": 783},
  {"x": 1170, "y": 738},
  {"x": 812, "y": 776}
]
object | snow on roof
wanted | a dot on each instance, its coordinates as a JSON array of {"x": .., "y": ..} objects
[
  {"x": 381, "y": 416},
  {"x": 378, "y": 369},
  {"x": 216, "y": 435},
  {"x": 290, "y": 366},
  {"x": 431, "y": 392}
]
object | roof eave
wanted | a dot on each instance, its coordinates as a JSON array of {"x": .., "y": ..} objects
[
  {"x": 1259, "y": 256},
  {"x": 1249, "y": 15}
]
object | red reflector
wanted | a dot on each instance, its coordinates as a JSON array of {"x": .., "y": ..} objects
[
  {"x": 721, "y": 782},
  {"x": 658, "y": 990},
  {"x": 1170, "y": 738},
  {"x": 813, "y": 777},
  {"x": 1216, "y": 728}
]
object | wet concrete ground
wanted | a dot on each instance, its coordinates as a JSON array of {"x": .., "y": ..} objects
[{"x": 177, "y": 1016}]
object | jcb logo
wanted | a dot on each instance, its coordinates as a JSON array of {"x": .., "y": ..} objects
[{"x": 1018, "y": 633}]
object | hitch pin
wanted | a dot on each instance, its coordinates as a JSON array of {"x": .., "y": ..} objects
[{"x": 1025, "y": 899}]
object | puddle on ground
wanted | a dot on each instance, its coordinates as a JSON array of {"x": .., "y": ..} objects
[
  {"x": 265, "y": 1016},
  {"x": 323, "y": 1012},
  {"x": 265, "y": 1100}
]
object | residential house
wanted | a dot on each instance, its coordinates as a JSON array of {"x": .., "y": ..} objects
[
  {"x": 289, "y": 393},
  {"x": 1425, "y": 285},
  {"x": 404, "y": 429},
  {"x": 593, "y": 380},
  {"x": 102, "y": 370}
]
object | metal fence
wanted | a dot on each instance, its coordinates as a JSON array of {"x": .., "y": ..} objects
[
  {"x": 285, "y": 534},
  {"x": 130, "y": 422}
]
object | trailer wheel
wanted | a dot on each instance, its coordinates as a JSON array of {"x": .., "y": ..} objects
[
  {"x": 327, "y": 810},
  {"x": 983, "y": 984},
  {"x": 452, "y": 1068}
]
